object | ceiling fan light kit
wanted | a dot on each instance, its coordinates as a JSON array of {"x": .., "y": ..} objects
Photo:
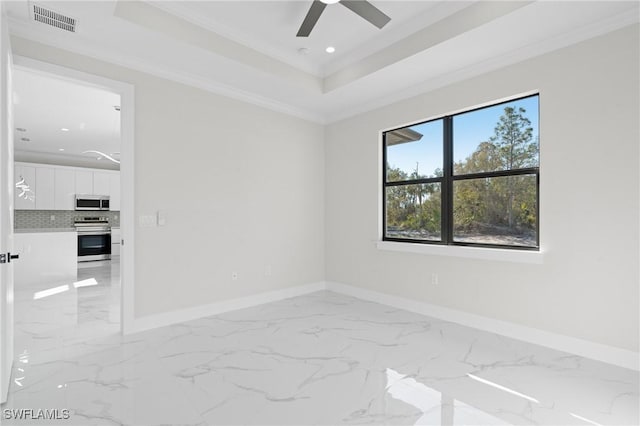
[{"x": 362, "y": 8}]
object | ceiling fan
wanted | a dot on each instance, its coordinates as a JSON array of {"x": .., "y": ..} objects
[{"x": 361, "y": 7}]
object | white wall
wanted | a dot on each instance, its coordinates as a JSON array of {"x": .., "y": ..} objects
[
  {"x": 587, "y": 286},
  {"x": 242, "y": 189}
]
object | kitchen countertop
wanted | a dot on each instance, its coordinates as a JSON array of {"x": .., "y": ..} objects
[{"x": 41, "y": 230}]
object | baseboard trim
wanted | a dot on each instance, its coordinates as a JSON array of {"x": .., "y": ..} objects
[
  {"x": 596, "y": 351},
  {"x": 174, "y": 317},
  {"x": 609, "y": 354}
]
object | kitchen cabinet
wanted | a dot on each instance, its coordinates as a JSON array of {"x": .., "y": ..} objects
[
  {"x": 101, "y": 183},
  {"x": 84, "y": 182},
  {"x": 46, "y": 257},
  {"x": 28, "y": 199},
  {"x": 45, "y": 188},
  {"x": 55, "y": 187},
  {"x": 114, "y": 191},
  {"x": 64, "y": 189},
  {"x": 115, "y": 242}
]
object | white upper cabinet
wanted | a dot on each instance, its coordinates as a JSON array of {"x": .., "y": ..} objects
[
  {"x": 84, "y": 182},
  {"x": 114, "y": 191},
  {"x": 45, "y": 182},
  {"x": 101, "y": 183},
  {"x": 65, "y": 189},
  {"x": 55, "y": 187},
  {"x": 25, "y": 190}
]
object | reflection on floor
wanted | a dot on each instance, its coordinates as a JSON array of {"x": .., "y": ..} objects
[
  {"x": 54, "y": 320},
  {"x": 322, "y": 358}
]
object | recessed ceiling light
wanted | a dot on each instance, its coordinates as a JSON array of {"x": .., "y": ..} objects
[
  {"x": 330, "y": 49},
  {"x": 25, "y": 139},
  {"x": 61, "y": 149},
  {"x": 21, "y": 129},
  {"x": 303, "y": 51},
  {"x": 64, "y": 129},
  {"x": 329, "y": 1}
]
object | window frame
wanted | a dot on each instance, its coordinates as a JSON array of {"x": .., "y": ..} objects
[{"x": 449, "y": 178}]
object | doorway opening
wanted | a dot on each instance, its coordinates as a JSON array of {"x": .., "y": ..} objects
[{"x": 78, "y": 148}]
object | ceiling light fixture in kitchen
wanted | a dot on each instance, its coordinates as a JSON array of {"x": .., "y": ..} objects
[{"x": 102, "y": 154}]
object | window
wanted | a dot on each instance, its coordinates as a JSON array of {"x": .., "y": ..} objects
[{"x": 466, "y": 179}]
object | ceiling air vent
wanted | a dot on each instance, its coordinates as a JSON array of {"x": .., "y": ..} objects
[{"x": 55, "y": 19}]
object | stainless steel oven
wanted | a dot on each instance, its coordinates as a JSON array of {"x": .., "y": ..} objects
[
  {"x": 94, "y": 238},
  {"x": 92, "y": 202}
]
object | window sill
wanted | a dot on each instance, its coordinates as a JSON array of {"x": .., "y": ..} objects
[{"x": 502, "y": 255}]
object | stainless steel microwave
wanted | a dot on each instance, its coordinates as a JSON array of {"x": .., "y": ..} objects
[{"x": 92, "y": 202}]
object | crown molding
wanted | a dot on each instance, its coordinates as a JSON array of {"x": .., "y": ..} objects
[
  {"x": 549, "y": 45},
  {"x": 441, "y": 10},
  {"x": 181, "y": 12},
  {"x": 82, "y": 47}
]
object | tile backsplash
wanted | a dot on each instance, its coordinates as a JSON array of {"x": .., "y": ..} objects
[{"x": 40, "y": 219}]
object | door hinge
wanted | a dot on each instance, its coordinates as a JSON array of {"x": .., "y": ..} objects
[{"x": 3, "y": 258}]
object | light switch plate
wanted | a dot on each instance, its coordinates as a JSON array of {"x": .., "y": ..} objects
[
  {"x": 147, "y": 221},
  {"x": 162, "y": 219}
]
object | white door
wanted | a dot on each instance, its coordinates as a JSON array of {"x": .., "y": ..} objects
[
  {"x": 84, "y": 183},
  {"x": 45, "y": 193},
  {"x": 101, "y": 183},
  {"x": 64, "y": 189},
  {"x": 114, "y": 191},
  {"x": 7, "y": 185}
]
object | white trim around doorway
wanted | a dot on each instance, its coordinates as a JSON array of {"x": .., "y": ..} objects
[{"x": 127, "y": 131}]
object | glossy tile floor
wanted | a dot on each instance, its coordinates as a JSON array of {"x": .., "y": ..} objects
[{"x": 322, "y": 358}]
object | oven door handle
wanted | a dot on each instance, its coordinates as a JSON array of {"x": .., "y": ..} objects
[{"x": 82, "y": 233}]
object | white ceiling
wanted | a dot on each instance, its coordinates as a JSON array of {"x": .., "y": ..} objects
[
  {"x": 248, "y": 49},
  {"x": 270, "y": 27},
  {"x": 43, "y": 106}
]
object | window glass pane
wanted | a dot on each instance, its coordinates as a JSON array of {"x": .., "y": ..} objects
[
  {"x": 501, "y": 137},
  {"x": 414, "y": 152},
  {"x": 413, "y": 211},
  {"x": 499, "y": 210}
]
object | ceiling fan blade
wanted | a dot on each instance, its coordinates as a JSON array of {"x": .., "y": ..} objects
[
  {"x": 367, "y": 11},
  {"x": 316, "y": 9}
]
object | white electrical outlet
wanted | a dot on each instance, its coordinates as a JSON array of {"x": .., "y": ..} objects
[
  {"x": 53, "y": 217},
  {"x": 267, "y": 271},
  {"x": 234, "y": 276},
  {"x": 434, "y": 279}
]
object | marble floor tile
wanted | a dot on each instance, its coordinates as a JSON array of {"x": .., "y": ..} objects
[{"x": 318, "y": 359}]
